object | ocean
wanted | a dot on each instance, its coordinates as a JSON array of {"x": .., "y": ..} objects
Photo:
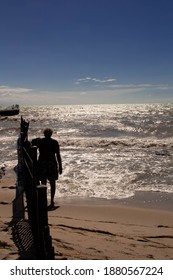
[{"x": 108, "y": 151}]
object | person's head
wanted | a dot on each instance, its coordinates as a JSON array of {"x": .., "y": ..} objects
[{"x": 48, "y": 132}]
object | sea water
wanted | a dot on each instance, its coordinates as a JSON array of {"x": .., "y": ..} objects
[{"x": 108, "y": 151}]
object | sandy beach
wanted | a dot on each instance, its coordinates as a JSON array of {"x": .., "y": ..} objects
[{"x": 95, "y": 229}]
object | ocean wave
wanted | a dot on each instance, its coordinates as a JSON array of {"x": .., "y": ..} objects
[{"x": 107, "y": 142}]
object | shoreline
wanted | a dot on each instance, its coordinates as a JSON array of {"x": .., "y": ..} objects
[{"x": 141, "y": 199}]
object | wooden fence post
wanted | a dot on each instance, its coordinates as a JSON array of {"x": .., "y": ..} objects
[
  {"x": 42, "y": 205},
  {"x": 34, "y": 165},
  {"x": 42, "y": 220}
]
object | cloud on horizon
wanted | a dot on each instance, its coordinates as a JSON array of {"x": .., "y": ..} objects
[
  {"x": 109, "y": 84},
  {"x": 13, "y": 94},
  {"x": 111, "y": 93},
  {"x": 6, "y": 90},
  {"x": 141, "y": 86}
]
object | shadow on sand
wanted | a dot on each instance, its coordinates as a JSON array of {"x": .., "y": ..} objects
[{"x": 21, "y": 231}]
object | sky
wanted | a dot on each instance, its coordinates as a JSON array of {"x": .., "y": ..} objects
[{"x": 58, "y": 52}]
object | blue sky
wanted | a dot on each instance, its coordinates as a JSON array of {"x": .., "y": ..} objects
[{"x": 86, "y": 51}]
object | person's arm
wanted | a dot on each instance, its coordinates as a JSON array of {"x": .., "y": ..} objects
[
  {"x": 58, "y": 156},
  {"x": 35, "y": 142},
  {"x": 59, "y": 163}
]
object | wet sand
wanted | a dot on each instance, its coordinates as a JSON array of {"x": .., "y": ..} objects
[{"x": 140, "y": 227}]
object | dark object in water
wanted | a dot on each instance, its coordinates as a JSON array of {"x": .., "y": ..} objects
[{"x": 10, "y": 111}]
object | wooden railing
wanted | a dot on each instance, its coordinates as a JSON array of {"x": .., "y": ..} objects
[{"x": 36, "y": 195}]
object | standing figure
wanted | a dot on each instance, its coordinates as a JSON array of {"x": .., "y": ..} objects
[{"x": 49, "y": 161}]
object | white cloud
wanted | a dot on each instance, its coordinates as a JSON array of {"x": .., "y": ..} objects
[
  {"x": 6, "y": 90},
  {"x": 140, "y": 86},
  {"x": 14, "y": 94},
  {"x": 92, "y": 79},
  {"x": 130, "y": 85}
]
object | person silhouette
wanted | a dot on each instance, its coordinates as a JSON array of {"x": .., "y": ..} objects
[{"x": 49, "y": 161}]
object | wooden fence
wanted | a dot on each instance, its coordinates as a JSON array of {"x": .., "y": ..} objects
[{"x": 36, "y": 195}]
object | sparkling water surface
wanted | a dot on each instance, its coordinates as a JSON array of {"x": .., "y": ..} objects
[{"x": 108, "y": 151}]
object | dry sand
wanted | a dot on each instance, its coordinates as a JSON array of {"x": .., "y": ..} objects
[
  {"x": 8, "y": 250},
  {"x": 94, "y": 229}
]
